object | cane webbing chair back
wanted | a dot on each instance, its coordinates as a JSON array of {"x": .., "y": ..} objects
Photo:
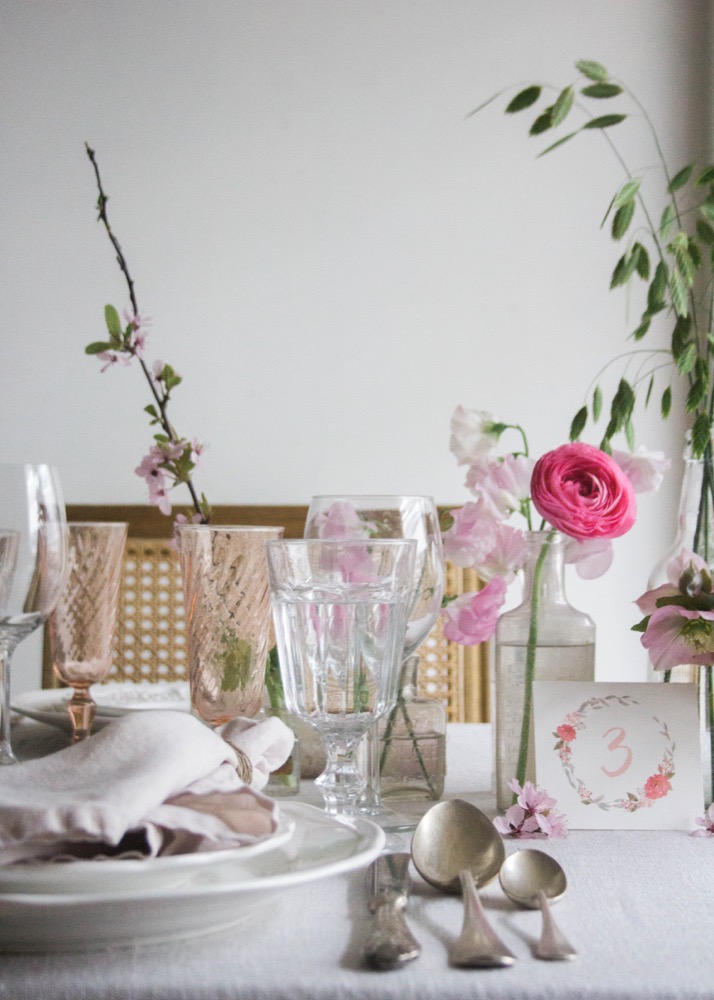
[{"x": 150, "y": 640}]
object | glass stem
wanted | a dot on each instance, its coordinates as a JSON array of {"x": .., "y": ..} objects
[{"x": 6, "y": 753}]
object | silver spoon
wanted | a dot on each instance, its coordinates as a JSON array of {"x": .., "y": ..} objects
[
  {"x": 456, "y": 848},
  {"x": 530, "y": 878}
]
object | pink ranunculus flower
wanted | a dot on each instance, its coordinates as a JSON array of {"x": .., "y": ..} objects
[
  {"x": 472, "y": 618},
  {"x": 471, "y": 536},
  {"x": 645, "y": 469},
  {"x": 592, "y": 557},
  {"x": 677, "y": 635},
  {"x": 472, "y": 435},
  {"x": 657, "y": 786},
  {"x": 583, "y": 492}
]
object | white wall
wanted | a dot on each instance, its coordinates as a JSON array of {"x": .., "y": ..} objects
[{"x": 330, "y": 252}]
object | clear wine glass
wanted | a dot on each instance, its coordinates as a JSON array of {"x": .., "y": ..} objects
[
  {"x": 415, "y": 517},
  {"x": 340, "y": 617},
  {"x": 33, "y": 540}
]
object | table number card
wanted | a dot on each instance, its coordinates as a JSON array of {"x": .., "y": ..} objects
[{"x": 620, "y": 756}]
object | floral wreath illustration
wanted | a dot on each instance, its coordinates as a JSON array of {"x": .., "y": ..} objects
[{"x": 657, "y": 785}]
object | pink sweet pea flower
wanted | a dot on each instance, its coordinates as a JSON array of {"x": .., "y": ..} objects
[
  {"x": 472, "y": 435},
  {"x": 472, "y": 618},
  {"x": 582, "y": 492},
  {"x": 507, "y": 555},
  {"x": 645, "y": 469},
  {"x": 677, "y": 635},
  {"x": 592, "y": 557},
  {"x": 472, "y": 535},
  {"x": 503, "y": 484},
  {"x": 342, "y": 522}
]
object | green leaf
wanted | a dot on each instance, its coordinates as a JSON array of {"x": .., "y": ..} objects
[
  {"x": 701, "y": 434},
  {"x": 562, "y": 106},
  {"x": 542, "y": 123},
  {"x": 97, "y": 347},
  {"x": 678, "y": 290},
  {"x": 668, "y": 216},
  {"x": 686, "y": 358},
  {"x": 592, "y": 70},
  {"x": 559, "y": 142},
  {"x": 648, "y": 394},
  {"x": 111, "y": 317},
  {"x": 680, "y": 178},
  {"x": 605, "y": 121},
  {"x": 707, "y": 210},
  {"x": 624, "y": 269},
  {"x": 706, "y": 177},
  {"x": 696, "y": 395},
  {"x": 630, "y": 435},
  {"x": 579, "y": 421},
  {"x": 151, "y": 410},
  {"x": 622, "y": 219},
  {"x": 666, "y": 403},
  {"x": 705, "y": 232},
  {"x": 597, "y": 403},
  {"x": 642, "y": 329},
  {"x": 627, "y": 192},
  {"x": 524, "y": 99},
  {"x": 643, "y": 261},
  {"x": 601, "y": 90},
  {"x": 681, "y": 335},
  {"x": 658, "y": 288}
]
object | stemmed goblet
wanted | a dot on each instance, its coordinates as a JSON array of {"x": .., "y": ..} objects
[
  {"x": 415, "y": 517},
  {"x": 228, "y": 617},
  {"x": 32, "y": 566},
  {"x": 340, "y": 618},
  {"x": 82, "y": 625}
]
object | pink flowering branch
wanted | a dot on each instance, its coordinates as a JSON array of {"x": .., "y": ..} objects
[
  {"x": 533, "y": 814},
  {"x": 172, "y": 459}
]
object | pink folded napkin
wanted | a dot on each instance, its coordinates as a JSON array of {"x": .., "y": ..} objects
[{"x": 148, "y": 784}]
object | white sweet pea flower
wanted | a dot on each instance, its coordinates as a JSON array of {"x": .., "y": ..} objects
[
  {"x": 502, "y": 484},
  {"x": 473, "y": 435}
]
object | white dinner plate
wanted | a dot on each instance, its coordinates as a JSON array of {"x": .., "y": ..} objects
[
  {"x": 115, "y": 875},
  {"x": 113, "y": 698},
  {"x": 213, "y": 899}
]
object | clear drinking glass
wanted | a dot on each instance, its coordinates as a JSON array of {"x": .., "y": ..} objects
[
  {"x": 411, "y": 517},
  {"x": 82, "y": 625},
  {"x": 32, "y": 566},
  {"x": 340, "y": 619},
  {"x": 228, "y": 617}
]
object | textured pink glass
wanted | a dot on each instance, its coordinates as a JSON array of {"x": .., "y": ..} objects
[
  {"x": 228, "y": 617},
  {"x": 82, "y": 625}
]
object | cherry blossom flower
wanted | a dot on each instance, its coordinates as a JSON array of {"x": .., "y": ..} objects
[
  {"x": 532, "y": 815},
  {"x": 706, "y": 824}
]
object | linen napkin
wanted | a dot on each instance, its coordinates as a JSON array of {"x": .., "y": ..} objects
[{"x": 150, "y": 783}]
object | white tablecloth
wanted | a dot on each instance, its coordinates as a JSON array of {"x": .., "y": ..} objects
[{"x": 640, "y": 910}]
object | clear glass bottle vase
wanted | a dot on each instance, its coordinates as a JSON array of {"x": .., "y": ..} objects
[
  {"x": 695, "y": 531},
  {"x": 543, "y": 639},
  {"x": 412, "y": 744}
]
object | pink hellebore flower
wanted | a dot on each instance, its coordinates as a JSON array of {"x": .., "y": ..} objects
[
  {"x": 472, "y": 618},
  {"x": 645, "y": 469},
  {"x": 472, "y": 435},
  {"x": 582, "y": 492},
  {"x": 472, "y": 535},
  {"x": 677, "y": 635}
]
